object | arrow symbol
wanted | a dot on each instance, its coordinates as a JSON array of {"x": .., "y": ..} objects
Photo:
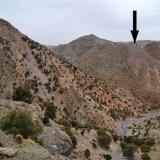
[{"x": 134, "y": 31}]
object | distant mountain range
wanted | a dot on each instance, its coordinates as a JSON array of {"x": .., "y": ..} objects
[{"x": 127, "y": 65}]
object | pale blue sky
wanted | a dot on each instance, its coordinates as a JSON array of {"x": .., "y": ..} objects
[{"x": 60, "y": 21}]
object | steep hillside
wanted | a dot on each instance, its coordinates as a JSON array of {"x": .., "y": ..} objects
[
  {"x": 134, "y": 67},
  {"x": 85, "y": 98}
]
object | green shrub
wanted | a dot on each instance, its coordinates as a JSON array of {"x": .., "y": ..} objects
[
  {"x": 50, "y": 110},
  {"x": 150, "y": 141},
  {"x": 64, "y": 122},
  {"x": 131, "y": 143},
  {"x": 115, "y": 137},
  {"x": 128, "y": 151},
  {"x": 94, "y": 145},
  {"x": 139, "y": 141},
  {"x": 78, "y": 125},
  {"x": 71, "y": 135},
  {"x": 145, "y": 157},
  {"x": 145, "y": 148},
  {"x": 87, "y": 153},
  {"x": 132, "y": 139},
  {"x": 107, "y": 156},
  {"x": 20, "y": 122},
  {"x": 22, "y": 94},
  {"x": 103, "y": 139},
  {"x": 113, "y": 114},
  {"x": 1, "y": 145},
  {"x": 123, "y": 144}
]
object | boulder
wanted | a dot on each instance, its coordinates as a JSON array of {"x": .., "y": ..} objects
[
  {"x": 56, "y": 141},
  {"x": 9, "y": 152},
  {"x": 32, "y": 152}
]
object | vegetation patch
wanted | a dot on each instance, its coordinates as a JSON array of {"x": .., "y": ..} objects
[
  {"x": 130, "y": 145},
  {"x": 22, "y": 94},
  {"x": 145, "y": 157},
  {"x": 87, "y": 153},
  {"x": 50, "y": 110},
  {"x": 103, "y": 139},
  {"x": 20, "y": 122},
  {"x": 107, "y": 156},
  {"x": 71, "y": 135}
]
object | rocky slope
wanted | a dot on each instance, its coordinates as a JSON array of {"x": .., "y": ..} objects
[
  {"x": 134, "y": 67},
  {"x": 25, "y": 62}
]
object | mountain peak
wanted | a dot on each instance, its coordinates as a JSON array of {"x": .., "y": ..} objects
[
  {"x": 91, "y": 36},
  {"x": 91, "y": 39}
]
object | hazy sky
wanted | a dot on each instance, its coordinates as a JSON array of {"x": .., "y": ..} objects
[{"x": 60, "y": 21}]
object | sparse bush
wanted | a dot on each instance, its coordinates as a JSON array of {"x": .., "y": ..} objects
[
  {"x": 145, "y": 157},
  {"x": 135, "y": 140},
  {"x": 140, "y": 141},
  {"x": 1, "y": 145},
  {"x": 114, "y": 114},
  {"x": 115, "y": 137},
  {"x": 39, "y": 141},
  {"x": 94, "y": 145},
  {"x": 25, "y": 38},
  {"x": 20, "y": 122},
  {"x": 82, "y": 131},
  {"x": 87, "y": 153},
  {"x": 19, "y": 138},
  {"x": 123, "y": 144},
  {"x": 64, "y": 122},
  {"x": 78, "y": 125},
  {"x": 22, "y": 94},
  {"x": 61, "y": 91},
  {"x": 50, "y": 110},
  {"x": 145, "y": 148},
  {"x": 103, "y": 139},
  {"x": 107, "y": 156},
  {"x": 45, "y": 121},
  {"x": 150, "y": 141},
  {"x": 71, "y": 135},
  {"x": 131, "y": 143},
  {"x": 128, "y": 151}
]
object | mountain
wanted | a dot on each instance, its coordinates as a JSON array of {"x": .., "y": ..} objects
[
  {"x": 126, "y": 65},
  {"x": 89, "y": 113}
]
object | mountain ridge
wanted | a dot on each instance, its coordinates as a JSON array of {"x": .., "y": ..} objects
[{"x": 120, "y": 62}]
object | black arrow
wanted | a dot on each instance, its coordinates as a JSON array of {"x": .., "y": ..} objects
[{"x": 134, "y": 31}]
